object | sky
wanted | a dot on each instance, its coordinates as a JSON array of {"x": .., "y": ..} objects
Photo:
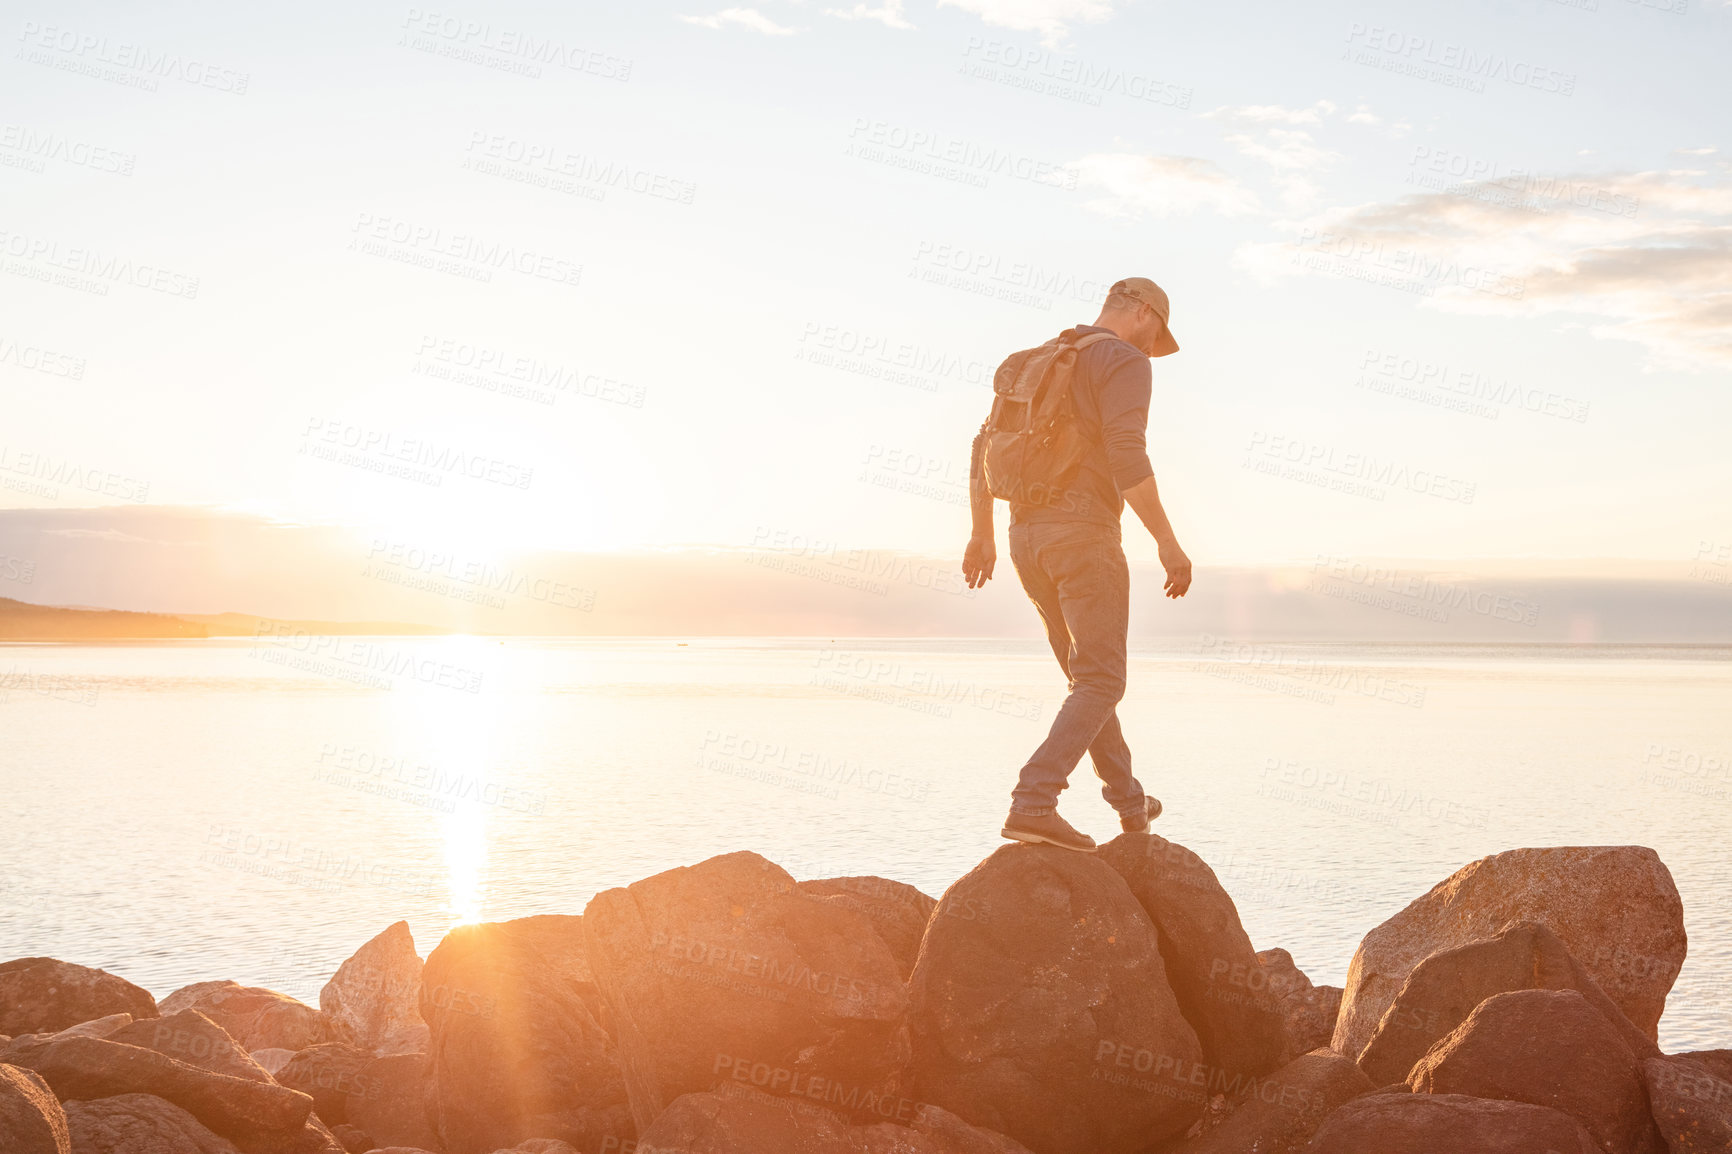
[{"x": 1450, "y": 280}]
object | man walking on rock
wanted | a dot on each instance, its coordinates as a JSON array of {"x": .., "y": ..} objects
[{"x": 1064, "y": 445}]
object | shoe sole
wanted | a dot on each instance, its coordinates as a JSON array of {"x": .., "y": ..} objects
[{"x": 1030, "y": 838}]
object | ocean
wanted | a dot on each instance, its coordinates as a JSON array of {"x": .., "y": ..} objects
[{"x": 255, "y": 810}]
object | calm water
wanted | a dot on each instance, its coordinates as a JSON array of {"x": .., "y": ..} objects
[{"x": 178, "y": 812}]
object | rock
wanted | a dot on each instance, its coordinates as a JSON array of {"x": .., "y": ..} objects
[
  {"x": 42, "y": 995},
  {"x": 1308, "y": 1012},
  {"x": 1717, "y": 1062},
  {"x": 706, "y": 967},
  {"x": 559, "y": 939},
  {"x": 1448, "y": 1124},
  {"x": 255, "y": 1017},
  {"x": 97, "y": 1027},
  {"x": 273, "y": 1058},
  {"x": 190, "y": 1037},
  {"x": 31, "y": 1120},
  {"x": 1281, "y": 974},
  {"x": 355, "y": 1141},
  {"x": 1051, "y": 1021},
  {"x": 1279, "y": 1113},
  {"x": 1615, "y": 908},
  {"x": 393, "y": 1107},
  {"x": 328, "y": 1073},
  {"x": 227, "y": 1105},
  {"x": 373, "y": 1000},
  {"x": 139, "y": 1124},
  {"x": 515, "y": 1052},
  {"x": 1548, "y": 1048},
  {"x": 738, "y": 1120},
  {"x": 1691, "y": 1105},
  {"x": 1211, "y": 967},
  {"x": 898, "y": 911},
  {"x": 1444, "y": 989}
]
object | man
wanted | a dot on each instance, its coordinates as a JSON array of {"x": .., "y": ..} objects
[{"x": 1068, "y": 556}]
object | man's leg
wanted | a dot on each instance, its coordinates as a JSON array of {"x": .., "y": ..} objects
[
  {"x": 1077, "y": 578},
  {"x": 1108, "y": 752}
]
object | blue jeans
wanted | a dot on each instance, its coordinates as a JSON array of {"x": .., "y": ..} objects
[{"x": 1075, "y": 574}]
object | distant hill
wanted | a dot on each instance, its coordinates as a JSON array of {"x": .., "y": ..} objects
[
  {"x": 174, "y": 561},
  {"x": 22, "y": 621},
  {"x": 247, "y": 625}
]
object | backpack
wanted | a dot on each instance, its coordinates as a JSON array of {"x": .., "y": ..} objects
[{"x": 1034, "y": 442}]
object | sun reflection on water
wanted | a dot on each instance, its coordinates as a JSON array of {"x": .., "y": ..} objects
[{"x": 459, "y": 731}]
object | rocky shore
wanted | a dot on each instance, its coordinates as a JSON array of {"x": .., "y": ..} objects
[{"x": 1049, "y": 1002}]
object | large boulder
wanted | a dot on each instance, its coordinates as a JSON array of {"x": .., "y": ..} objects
[
  {"x": 329, "y": 1074},
  {"x": 1448, "y": 1124},
  {"x": 1692, "y": 1106},
  {"x": 373, "y": 1000},
  {"x": 1716, "y": 1062},
  {"x": 706, "y": 967},
  {"x": 737, "y": 1120},
  {"x": 1278, "y": 1113},
  {"x": 190, "y": 1037},
  {"x": 43, "y": 995},
  {"x": 1307, "y": 1011},
  {"x": 1211, "y": 967},
  {"x": 1444, "y": 989},
  {"x": 391, "y": 1106},
  {"x": 515, "y": 1052},
  {"x": 898, "y": 911},
  {"x": 1052, "y": 1021},
  {"x": 1548, "y": 1048},
  {"x": 1615, "y": 908},
  {"x": 255, "y": 1017},
  {"x": 31, "y": 1120},
  {"x": 139, "y": 1124},
  {"x": 230, "y": 1106},
  {"x": 559, "y": 940}
]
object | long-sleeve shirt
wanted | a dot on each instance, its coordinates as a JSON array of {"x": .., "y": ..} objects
[{"x": 1111, "y": 389}]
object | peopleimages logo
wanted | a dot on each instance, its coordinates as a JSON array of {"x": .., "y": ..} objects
[
  {"x": 1418, "y": 55},
  {"x": 106, "y": 59}
]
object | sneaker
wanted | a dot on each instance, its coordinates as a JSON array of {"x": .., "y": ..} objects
[
  {"x": 1049, "y": 830},
  {"x": 1139, "y": 823}
]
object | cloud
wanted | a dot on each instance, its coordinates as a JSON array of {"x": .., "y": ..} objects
[
  {"x": 1273, "y": 113},
  {"x": 1649, "y": 254},
  {"x": 1134, "y": 185},
  {"x": 889, "y": 14},
  {"x": 1293, "y": 155},
  {"x": 1291, "y": 151},
  {"x": 744, "y": 17},
  {"x": 1050, "y": 18}
]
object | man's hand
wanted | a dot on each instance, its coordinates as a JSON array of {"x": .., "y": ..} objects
[
  {"x": 1178, "y": 567},
  {"x": 980, "y": 556},
  {"x": 1145, "y": 498}
]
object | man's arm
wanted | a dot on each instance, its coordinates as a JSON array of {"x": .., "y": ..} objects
[
  {"x": 1125, "y": 396},
  {"x": 1146, "y": 500},
  {"x": 982, "y": 551}
]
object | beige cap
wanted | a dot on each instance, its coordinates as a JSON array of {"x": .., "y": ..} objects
[{"x": 1141, "y": 288}]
